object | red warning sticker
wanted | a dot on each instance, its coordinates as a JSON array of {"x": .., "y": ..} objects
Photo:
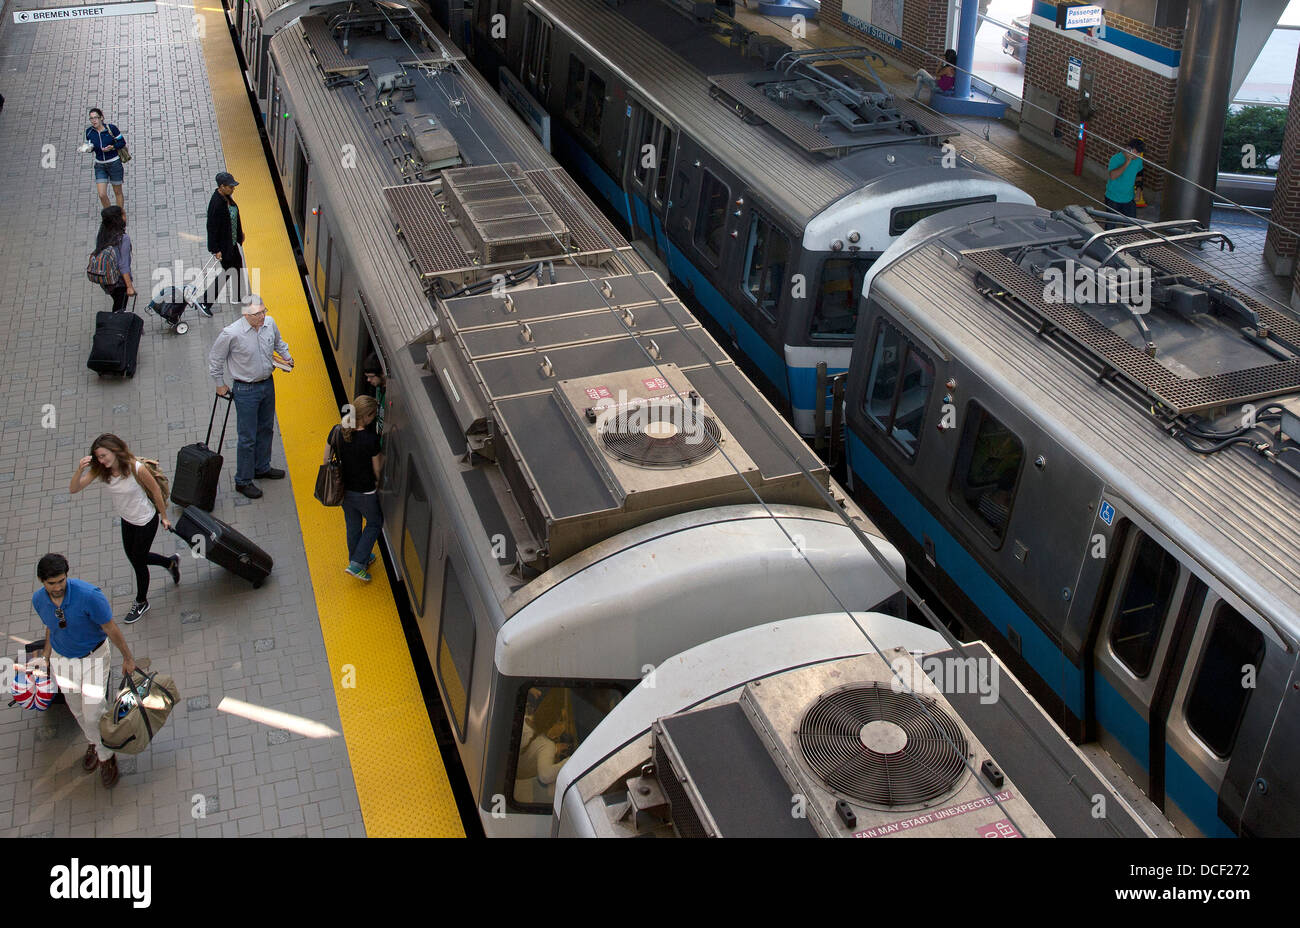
[
  {"x": 655, "y": 383},
  {"x": 599, "y": 393},
  {"x": 999, "y": 829}
]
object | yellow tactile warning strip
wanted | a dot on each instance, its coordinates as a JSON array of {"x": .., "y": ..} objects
[{"x": 399, "y": 775}]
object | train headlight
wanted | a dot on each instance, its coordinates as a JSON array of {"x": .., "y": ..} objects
[
  {"x": 855, "y": 237},
  {"x": 837, "y": 245}
]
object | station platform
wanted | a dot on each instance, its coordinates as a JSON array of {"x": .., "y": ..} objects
[
  {"x": 300, "y": 711},
  {"x": 1048, "y": 177}
]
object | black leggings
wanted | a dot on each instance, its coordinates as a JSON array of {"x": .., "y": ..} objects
[
  {"x": 137, "y": 540},
  {"x": 119, "y": 298}
]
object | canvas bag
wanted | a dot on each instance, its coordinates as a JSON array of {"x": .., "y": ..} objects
[
  {"x": 155, "y": 469},
  {"x": 102, "y": 268},
  {"x": 329, "y": 478},
  {"x": 139, "y": 712}
]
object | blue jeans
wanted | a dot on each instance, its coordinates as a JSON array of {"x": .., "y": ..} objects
[
  {"x": 358, "y": 506},
  {"x": 1128, "y": 209},
  {"x": 255, "y": 419},
  {"x": 109, "y": 173}
]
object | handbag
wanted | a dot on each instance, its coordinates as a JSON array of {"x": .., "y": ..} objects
[
  {"x": 329, "y": 478},
  {"x": 122, "y": 151},
  {"x": 139, "y": 712}
]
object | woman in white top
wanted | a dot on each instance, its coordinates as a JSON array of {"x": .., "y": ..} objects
[{"x": 139, "y": 501}]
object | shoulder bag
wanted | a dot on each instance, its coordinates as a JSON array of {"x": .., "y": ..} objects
[{"x": 329, "y": 478}]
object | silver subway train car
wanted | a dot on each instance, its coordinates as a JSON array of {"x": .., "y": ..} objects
[
  {"x": 578, "y": 482},
  {"x": 1085, "y": 445},
  {"x": 765, "y": 179}
]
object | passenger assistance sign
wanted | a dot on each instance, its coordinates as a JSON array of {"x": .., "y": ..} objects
[{"x": 83, "y": 12}]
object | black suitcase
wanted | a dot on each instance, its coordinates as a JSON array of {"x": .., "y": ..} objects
[
  {"x": 223, "y": 546},
  {"x": 116, "y": 343},
  {"x": 198, "y": 467}
]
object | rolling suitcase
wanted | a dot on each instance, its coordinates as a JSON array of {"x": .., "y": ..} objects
[
  {"x": 198, "y": 467},
  {"x": 223, "y": 546},
  {"x": 116, "y": 343}
]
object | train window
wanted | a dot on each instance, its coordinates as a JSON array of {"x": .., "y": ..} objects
[
  {"x": 902, "y": 218},
  {"x": 554, "y": 720},
  {"x": 711, "y": 219},
  {"x": 835, "y": 314},
  {"x": 497, "y": 8},
  {"x": 643, "y": 153},
  {"x": 334, "y": 293},
  {"x": 456, "y": 648},
  {"x": 987, "y": 472},
  {"x": 765, "y": 262},
  {"x": 322, "y": 258},
  {"x": 537, "y": 53},
  {"x": 573, "y": 91},
  {"x": 897, "y": 403},
  {"x": 1221, "y": 690},
  {"x": 1140, "y": 613},
  {"x": 594, "y": 110},
  {"x": 415, "y": 535},
  {"x": 661, "y": 178}
]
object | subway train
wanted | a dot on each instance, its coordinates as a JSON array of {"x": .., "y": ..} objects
[
  {"x": 578, "y": 482},
  {"x": 766, "y": 180},
  {"x": 1085, "y": 445},
  {"x": 852, "y": 726}
]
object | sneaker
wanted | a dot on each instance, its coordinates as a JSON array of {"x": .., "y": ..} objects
[
  {"x": 370, "y": 560},
  {"x": 91, "y": 760},
  {"x": 251, "y": 490},
  {"x": 206, "y": 309},
  {"x": 358, "y": 572},
  {"x": 175, "y": 568},
  {"x": 133, "y": 616},
  {"x": 108, "y": 772},
  {"x": 273, "y": 473}
]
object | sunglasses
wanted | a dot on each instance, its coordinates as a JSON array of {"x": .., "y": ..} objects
[{"x": 58, "y": 614}]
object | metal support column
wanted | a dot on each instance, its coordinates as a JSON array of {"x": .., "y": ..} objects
[{"x": 1204, "y": 76}]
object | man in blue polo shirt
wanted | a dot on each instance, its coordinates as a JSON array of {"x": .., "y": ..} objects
[
  {"x": 1121, "y": 172},
  {"x": 79, "y": 624}
]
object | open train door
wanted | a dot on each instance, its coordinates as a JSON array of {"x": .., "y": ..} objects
[{"x": 648, "y": 169}]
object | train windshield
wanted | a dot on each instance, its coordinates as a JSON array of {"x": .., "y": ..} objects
[
  {"x": 555, "y": 720},
  {"x": 835, "y": 314}
]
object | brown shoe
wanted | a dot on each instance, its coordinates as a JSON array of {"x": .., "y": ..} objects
[
  {"x": 108, "y": 772},
  {"x": 91, "y": 760}
]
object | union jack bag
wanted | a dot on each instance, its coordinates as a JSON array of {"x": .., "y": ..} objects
[{"x": 33, "y": 689}]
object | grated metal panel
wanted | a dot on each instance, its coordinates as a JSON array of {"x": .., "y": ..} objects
[
  {"x": 1180, "y": 394},
  {"x": 929, "y": 122},
  {"x": 425, "y": 229},
  {"x": 738, "y": 88},
  {"x": 501, "y": 211},
  {"x": 589, "y": 230},
  {"x": 328, "y": 54}
]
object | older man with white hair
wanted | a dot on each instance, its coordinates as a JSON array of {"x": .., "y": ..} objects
[{"x": 246, "y": 349}]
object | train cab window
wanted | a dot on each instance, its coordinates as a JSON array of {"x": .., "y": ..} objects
[
  {"x": 987, "y": 472},
  {"x": 554, "y": 720},
  {"x": 1141, "y": 611},
  {"x": 594, "y": 110},
  {"x": 835, "y": 313},
  {"x": 573, "y": 91},
  {"x": 456, "y": 648},
  {"x": 765, "y": 263},
  {"x": 711, "y": 218},
  {"x": 898, "y": 388},
  {"x": 415, "y": 535},
  {"x": 1221, "y": 690}
]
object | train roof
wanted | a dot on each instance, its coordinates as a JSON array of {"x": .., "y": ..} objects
[
  {"x": 961, "y": 280},
  {"x": 798, "y": 169},
  {"x": 578, "y": 398}
]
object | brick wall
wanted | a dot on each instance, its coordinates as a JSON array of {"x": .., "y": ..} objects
[
  {"x": 1129, "y": 100},
  {"x": 925, "y": 23},
  {"x": 1286, "y": 196}
]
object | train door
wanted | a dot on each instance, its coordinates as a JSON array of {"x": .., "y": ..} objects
[
  {"x": 1136, "y": 661},
  {"x": 300, "y": 193},
  {"x": 536, "y": 69},
  {"x": 647, "y": 159}
]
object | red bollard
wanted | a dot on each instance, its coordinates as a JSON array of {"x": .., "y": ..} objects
[{"x": 1078, "y": 152}]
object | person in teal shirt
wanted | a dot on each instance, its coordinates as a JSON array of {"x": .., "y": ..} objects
[{"x": 1122, "y": 171}]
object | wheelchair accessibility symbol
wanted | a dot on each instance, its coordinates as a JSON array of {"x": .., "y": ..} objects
[{"x": 1107, "y": 512}]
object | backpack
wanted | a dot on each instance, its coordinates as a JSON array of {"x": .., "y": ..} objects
[
  {"x": 103, "y": 270},
  {"x": 155, "y": 471}
]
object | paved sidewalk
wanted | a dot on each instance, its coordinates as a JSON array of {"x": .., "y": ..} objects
[{"x": 209, "y": 772}]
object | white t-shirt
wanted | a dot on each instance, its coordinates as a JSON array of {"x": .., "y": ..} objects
[{"x": 130, "y": 499}]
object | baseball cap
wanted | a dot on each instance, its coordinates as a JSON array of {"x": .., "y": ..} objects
[{"x": 225, "y": 179}]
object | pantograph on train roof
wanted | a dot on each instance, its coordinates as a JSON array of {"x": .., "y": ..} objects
[{"x": 826, "y": 108}]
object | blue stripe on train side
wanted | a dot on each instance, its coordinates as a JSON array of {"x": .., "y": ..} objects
[
  {"x": 803, "y": 385},
  {"x": 1193, "y": 795},
  {"x": 1038, "y": 650},
  {"x": 1124, "y": 722},
  {"x": 751, "y": 343}
]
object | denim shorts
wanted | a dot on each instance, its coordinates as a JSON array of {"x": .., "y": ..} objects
[{"x": 109, "y": 172}]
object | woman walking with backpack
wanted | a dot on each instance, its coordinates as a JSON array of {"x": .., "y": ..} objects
[
  {"x": 112, "y": 233},
  {"x": 107, "y": 143},
  {"x": 140, "y": 502}
]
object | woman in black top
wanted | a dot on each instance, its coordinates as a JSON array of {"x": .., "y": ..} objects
[{"x": 361, "y": 462}]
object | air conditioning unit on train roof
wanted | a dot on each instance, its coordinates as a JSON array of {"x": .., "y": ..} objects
[
  {"x": 654, "y": 436},
  {"x": 503, "y": 214},
  {"x": 836, "y": 749}
]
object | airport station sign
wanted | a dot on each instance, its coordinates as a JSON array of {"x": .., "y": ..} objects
[{"x": 66, "y": 13}]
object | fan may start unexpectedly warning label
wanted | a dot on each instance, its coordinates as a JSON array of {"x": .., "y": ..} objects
[{"x": 929, "y": 818}]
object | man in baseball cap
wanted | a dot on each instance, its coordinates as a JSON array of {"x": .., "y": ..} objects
[{"x": 225, "y": 235}]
